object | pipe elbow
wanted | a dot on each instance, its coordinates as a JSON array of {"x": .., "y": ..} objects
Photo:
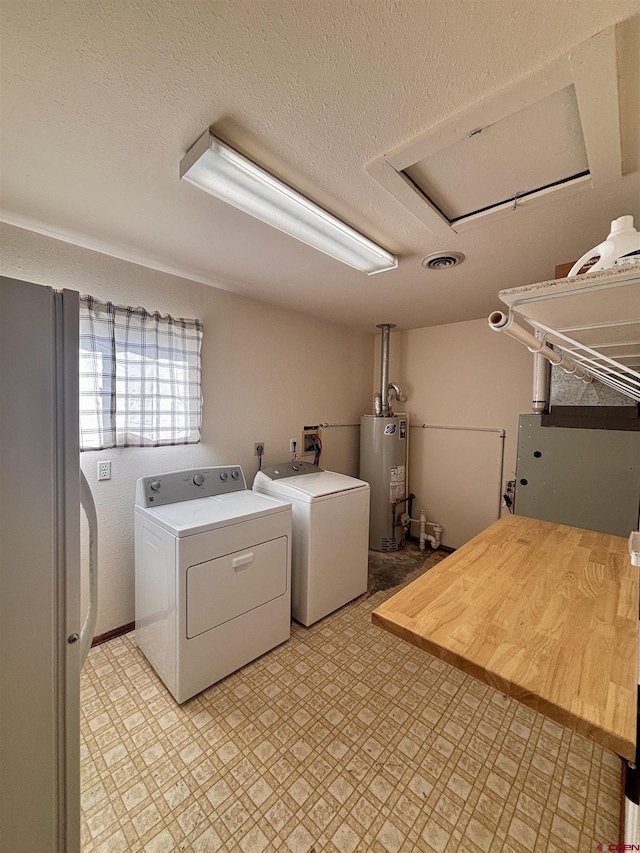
[{"x": 400, "y": 397}]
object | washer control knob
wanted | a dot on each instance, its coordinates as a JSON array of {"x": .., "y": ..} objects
[
  {"x": 155, "y": 486},
  {"x": 235, "y": 475},
  {"x": 198, "y": 479},
  {"x": 224, "y": 476}
]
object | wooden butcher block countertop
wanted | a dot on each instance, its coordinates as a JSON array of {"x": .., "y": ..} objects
[{"x": 545, "y": 613}]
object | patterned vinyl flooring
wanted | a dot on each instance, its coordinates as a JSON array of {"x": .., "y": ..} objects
[{"x": 343, "y": 739}]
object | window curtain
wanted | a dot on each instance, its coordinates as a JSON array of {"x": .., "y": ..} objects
[{"x": 140, "y": 377}]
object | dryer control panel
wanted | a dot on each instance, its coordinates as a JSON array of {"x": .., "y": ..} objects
[{"x": 176, "y": 486}]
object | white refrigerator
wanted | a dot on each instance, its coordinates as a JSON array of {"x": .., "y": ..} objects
[{"x": 42, "y": 639}]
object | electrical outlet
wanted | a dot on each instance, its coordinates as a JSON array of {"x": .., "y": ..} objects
[
  {"x": 258, "y": 448},
  {"x": 104, "y": 470},
  {"x": 293, "y": 445}
]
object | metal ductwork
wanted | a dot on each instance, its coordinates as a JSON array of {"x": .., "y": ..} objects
[{"x": 382, "y": 404}]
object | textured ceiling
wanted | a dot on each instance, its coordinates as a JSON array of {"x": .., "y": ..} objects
[{"x": 101, "y": 99}]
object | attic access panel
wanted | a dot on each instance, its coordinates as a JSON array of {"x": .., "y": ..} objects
[
  {"x": 440, "y": 176},
  {"x": 535, "y": 148}
]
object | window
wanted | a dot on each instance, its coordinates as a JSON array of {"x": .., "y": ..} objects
[{"x": 139, "y": 377}]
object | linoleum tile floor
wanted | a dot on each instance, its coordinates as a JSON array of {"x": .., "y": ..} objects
[{"x": 343, "y": 739}]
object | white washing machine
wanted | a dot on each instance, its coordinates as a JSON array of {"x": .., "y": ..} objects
[
  {"x": 329, "y": 562},
  {"x": 212, "y": 575}
]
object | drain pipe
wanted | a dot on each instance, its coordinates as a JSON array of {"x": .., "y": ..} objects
[
  {"x": 499, "y": 322},
  {"x": 432, "y": 538}
]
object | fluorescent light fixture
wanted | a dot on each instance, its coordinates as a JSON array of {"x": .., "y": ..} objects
[{"x": 216, "y": 168}]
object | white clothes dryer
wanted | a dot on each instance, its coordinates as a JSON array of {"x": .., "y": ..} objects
[
  {"x": 329, "y": 561},
  {"x": 212, "y": 575}
]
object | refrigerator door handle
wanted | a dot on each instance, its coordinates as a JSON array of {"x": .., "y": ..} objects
[{"x": 89, "y": 507}]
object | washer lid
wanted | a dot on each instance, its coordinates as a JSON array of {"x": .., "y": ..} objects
[
  {"x": 308, "y": 487},
  {"x": 200, "y": 515}
]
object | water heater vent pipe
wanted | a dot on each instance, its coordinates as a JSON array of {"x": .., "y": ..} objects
[
  {"x": 382, "y": 401},
  {"x": 385, "y": 407}
]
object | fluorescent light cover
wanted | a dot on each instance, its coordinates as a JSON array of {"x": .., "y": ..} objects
[{"x": 221, "y": 171}]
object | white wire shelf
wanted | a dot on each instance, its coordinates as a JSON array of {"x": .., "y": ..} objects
[{"x": 593, "y": 319}]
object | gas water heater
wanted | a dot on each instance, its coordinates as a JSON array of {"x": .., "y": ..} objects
[{"x": 383, "y": 458}]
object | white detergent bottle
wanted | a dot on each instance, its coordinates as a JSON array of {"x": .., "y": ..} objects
[{"x": 621, "y": 247}]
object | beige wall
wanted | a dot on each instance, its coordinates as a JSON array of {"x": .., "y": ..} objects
[
  {"x": 461, "y": 374},
  {"x": 266, "y": 373}
]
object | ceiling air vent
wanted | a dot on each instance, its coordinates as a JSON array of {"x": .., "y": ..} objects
[{"x": 442, "y": 260}]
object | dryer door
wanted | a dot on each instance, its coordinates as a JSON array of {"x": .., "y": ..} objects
[{"x": 227, "y": 587}]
